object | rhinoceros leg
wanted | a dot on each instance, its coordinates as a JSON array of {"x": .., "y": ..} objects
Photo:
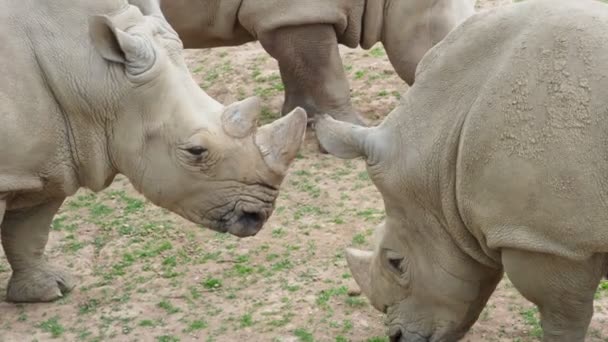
[
  {"x": 24, "y": 236},
  {"x": 311, "y": 70},
  {"x": 562, "y": 289}
]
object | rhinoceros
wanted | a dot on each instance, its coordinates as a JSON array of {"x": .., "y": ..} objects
[
  {"x": 91, "y": 89},
  {"x": 496, "y": 160},
  {"x": 303, "y": 37}
]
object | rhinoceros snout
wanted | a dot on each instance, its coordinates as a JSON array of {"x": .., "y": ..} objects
[
  {"x": 398, "y": 335},
  {"x": 248, "y": 224}
]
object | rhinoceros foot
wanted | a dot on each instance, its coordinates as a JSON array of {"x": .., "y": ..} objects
[{"x": 44, "y": 283}]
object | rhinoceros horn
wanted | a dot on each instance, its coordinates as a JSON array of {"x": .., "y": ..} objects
[
  {"x": 240, "y": 119},
  {"x": 359, "y": 262},
  {"x": 343, "y": 139},
  {"x": 280, "y": 140}
]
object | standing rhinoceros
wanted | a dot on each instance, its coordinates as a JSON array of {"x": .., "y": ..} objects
[
  {"x": 303, "y": 36},
  {"x": 93, "y": 88},
  {"x": 496, "y": 159}
]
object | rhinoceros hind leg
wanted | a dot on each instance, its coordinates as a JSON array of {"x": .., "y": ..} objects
[
  {"x": 562, "y": 289},
  {"x": 24, "y": 237}
]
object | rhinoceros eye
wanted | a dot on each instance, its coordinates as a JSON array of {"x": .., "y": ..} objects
[
  {"x": 394, "y": 261},
  {"x": 196, "y": 150},
  {"x": 397, "y": 266}
]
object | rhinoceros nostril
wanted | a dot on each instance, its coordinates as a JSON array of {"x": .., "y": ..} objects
[
  {"x": 396, "y": 337},
  {"x": 252, "y": 220}
]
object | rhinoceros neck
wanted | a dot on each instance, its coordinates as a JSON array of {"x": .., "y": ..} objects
[
  {"x": 87, "y": 120},
  {"x": 83, "y": 87},
  {"x": 208, "y": 23},
  {"x": 428, "y": 135}
]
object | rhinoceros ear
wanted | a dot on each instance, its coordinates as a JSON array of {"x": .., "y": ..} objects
[
  {"x": 342, "y": 139},
  {"x": 115, "y": 45}
]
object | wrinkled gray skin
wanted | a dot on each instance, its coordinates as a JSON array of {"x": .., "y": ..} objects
[
  {"x": 93, "y": 88},
  {"x": 303, "y": 37},
  {"x": 494, "y": 161}
]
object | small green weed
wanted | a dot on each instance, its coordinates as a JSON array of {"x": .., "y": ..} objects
[
  {"x": 303, "y": 335},
  {"x": 52, "y": 326}
]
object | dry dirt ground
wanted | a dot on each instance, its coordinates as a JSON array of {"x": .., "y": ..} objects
[{"x": 144, "y": 274}]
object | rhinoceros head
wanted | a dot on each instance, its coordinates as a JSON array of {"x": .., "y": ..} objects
[
  {"x": 183, "y": 150},
  {"x": 429, "y": 289}
]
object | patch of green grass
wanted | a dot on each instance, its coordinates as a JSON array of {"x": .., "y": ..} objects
[
  {"x": 153, "y": 248},
  {"x": 196, "y": 325},
  {"x": 82, "y": 201},
  {"x": 268, "y": 116},
  {"x": 243, "y": 270},
  {"x": 246, "y": 320},
  {"x": 281, "y": 265},
  {"x": 325, "y": 295},
  {"x": 98, "y": 210},
  {"x": 291, "y": 288},
  {"x": 303, "y": 335},
  {"x": 356, "y": 302},
  {"x": 530, "y": 317},
  {"x": 168, "y": 307},
  {"x": 359, "y": 74},
  {"x": 338, "y": 220},
  {"x": 307, "y": 210},
  {"x": 359, "y": 239},
  {"x": 347, "y": 325},
  {"x": 271, "y": 256},
  {"x": 377, "y": 52},
  {"x": 167, "y": 338},
  {"x": 212, "y": 283},
  {"x": 72, "y": 245},
  {"x": 602, "y": 289},
  {"x": 371, "y": 214},
  {"x": 378, "y": 339},
  {"x": 118, "y": 269},
  {"x": 58, "y": 223},
  {"x": 283, "y": 321},
  {"x": 22, "y": 317},
  {"x": 147, "y": 323},
  {"x": 52, "y": 326},
  {"x": 278, "y": 232},
  {"x": 209, "y": 256},
  {"x": 88, "y": 306},
  {"x": 170, "y": 261}
]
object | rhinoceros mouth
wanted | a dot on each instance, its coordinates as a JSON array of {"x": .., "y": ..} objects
[
  {"x": 242, "y": 222},
  {"x": 241, "y": 215}
]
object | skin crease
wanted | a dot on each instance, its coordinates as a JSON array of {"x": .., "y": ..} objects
[
  {"x": 488, "y": 169},
  {"x": 108, "y": 94},
  {"x": 304, "y": 36}
]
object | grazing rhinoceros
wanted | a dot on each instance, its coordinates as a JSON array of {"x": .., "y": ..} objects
[
  {"x": 496, "y": 159},
  {"x": 303, "y": 36},
  {"x": 93, "y": 88}
]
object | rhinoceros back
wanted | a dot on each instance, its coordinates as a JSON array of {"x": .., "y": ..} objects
[
  {"x": 535, "y": 142},
  {"x": 527, "y": 85}
]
